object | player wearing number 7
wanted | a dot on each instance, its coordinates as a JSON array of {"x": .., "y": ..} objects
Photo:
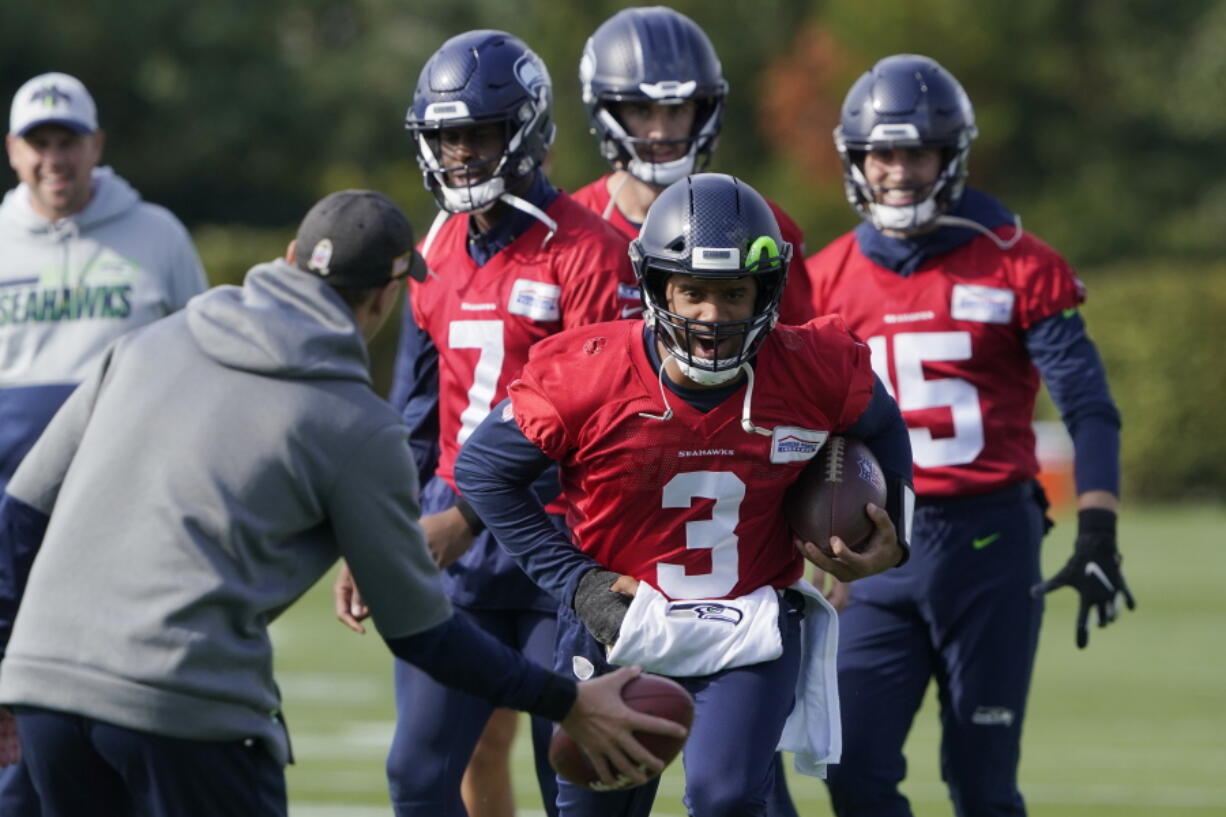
[
  {"x": 512, "y": 260},
  {"x": 676, "y": 438},
  {"x": 964, "y": 312}
]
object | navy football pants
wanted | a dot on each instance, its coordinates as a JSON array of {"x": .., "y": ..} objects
[
  {"x": 729, "y": 756},
  {"x": 86, "y": 768},
  {"x": 17, "y": 795},
  {"x": 437, "y": 727},
  {"x": 959, "y": 612}
]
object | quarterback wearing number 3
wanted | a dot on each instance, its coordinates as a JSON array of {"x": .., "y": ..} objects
[{"x": 676, "y": 438}]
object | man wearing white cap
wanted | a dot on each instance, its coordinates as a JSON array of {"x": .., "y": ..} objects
[{"x": 84, "y": 261}]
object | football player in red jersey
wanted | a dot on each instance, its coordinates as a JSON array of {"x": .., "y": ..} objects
[
  {"x": 654, "y": 92},
  {"x": 512, "y": 260},
  {"x": 964, "y": 312},
  {"x": 676, "y": 438}
]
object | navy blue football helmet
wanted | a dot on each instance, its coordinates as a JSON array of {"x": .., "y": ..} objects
[
  {"x": 652, "y": 55},
  {"x": 710, "y": 225},
  {"x": 906, "y": 101},
  {"x": 476, "y": 78}
]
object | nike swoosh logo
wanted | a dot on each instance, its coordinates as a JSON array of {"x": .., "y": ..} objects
[
  {"x": 1096, "y": 572},
  {"x": 628, "y": 311},
  {"x": 984, "y": 541}
]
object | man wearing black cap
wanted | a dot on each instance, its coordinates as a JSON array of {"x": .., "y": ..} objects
[{"x": 140, "y": 668}]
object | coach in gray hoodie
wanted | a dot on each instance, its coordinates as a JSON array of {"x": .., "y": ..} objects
[{"x": 209, "y": 471}]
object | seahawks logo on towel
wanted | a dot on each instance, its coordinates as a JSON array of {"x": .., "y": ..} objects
[{"x": 706, "y": 610}]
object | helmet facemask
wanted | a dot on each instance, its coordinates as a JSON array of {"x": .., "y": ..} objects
[
  {"x": 681, "y": 335},
  {"x": 652, "y": 55},
  {"x": 481, "y": 78},
  {"x": 906, "y": 101},
  {"x": 626, "y": 152},
  {"x": 445, "y": 183},
  {"x": 922, "y": 213}
]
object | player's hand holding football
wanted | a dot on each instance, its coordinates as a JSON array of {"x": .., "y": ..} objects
[
  {"x": 1093, "y": 571},
  {"x": 603, "y": 726},
  {"x": 880, "y": 553},
  {"x": 448, "y": 536}
]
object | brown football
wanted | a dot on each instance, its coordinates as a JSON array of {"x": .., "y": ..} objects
[
  {"x": 652, "y": 694},
  {"x": 829, "y": 496}
]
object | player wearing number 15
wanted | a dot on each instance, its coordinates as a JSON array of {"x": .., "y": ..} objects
[
  {"x": 512, "y": 260},
  {"x": 676, "y": 438},
  {"x": 963, "y": 312}
]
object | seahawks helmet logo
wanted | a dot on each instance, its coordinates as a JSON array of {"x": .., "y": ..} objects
[
  {"x": 530, "y": 72},
  {"x": 707, "y": 611}
]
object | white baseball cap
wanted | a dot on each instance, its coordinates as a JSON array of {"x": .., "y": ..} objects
[{"x": 53, "y": 99}]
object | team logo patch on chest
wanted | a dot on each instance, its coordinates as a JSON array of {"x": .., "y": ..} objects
[
  {"x": 796, "y": 444},
  {"x": 535, "y": 300},
  {"x": 981, "y": 304}
]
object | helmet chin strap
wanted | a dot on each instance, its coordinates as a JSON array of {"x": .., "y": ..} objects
[
  {"x": 668, "y": 410},
  {"x": 440, "y": 219},
  {"x": 1003, "y": 244},
  {"x": 706, "y": 377},
  {"x": 462, "y": 204},
  {"x": 746, "y": 421},
  {"x": 474, "y": 199},
  {"x": 525, "y": 206},
  {"x": 479, "y": 197},
  {"x": 910, "y": 218},
  {"x": 662, "y": 174},
  {"x": 617, "y": 191},
  {"x": 905, "y": 218}
]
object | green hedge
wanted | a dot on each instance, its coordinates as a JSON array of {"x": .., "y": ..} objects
[{"x": 1161, "y": 329}]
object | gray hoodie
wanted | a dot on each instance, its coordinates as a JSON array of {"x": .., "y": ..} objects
[
  {"x": 69, "y": 287},
  {"x": 210, "y": 471}
]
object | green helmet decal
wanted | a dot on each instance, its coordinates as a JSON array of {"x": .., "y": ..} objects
[{"x": 763, "y": 243}]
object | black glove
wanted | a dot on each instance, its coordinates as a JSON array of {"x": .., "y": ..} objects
[
  {"x": 600, "y": 609},
  {"x": 1093, "y": 571}
]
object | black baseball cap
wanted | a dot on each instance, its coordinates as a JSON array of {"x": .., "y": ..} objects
[{"x": 358, "y": 239}]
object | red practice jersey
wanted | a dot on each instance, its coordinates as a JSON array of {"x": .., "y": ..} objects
[
  {"x": 691, "y": 504},
  {"x": 948, "y": 341},
  {"x": 797, "y": 304},
  {"x": 483, "y": 319}
]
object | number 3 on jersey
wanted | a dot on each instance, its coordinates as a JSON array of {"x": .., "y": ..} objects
[
  {"x": 915, "y": 392},
  {"x": 487, "y": 337},
  {"x": 717, "y": 534}
]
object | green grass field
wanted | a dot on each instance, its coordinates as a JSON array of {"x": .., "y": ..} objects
[{"x": 1133, "y": 726}]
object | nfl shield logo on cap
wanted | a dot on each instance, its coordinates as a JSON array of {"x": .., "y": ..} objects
[{"x": 53, "y": 99}]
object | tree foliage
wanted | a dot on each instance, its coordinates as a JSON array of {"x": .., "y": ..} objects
[{"x": 1100, "y": 121}]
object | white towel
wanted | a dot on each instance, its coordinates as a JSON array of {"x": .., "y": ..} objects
[
  {"x": 814, "y": 730},
  {"x": 693, "y": 637}
]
